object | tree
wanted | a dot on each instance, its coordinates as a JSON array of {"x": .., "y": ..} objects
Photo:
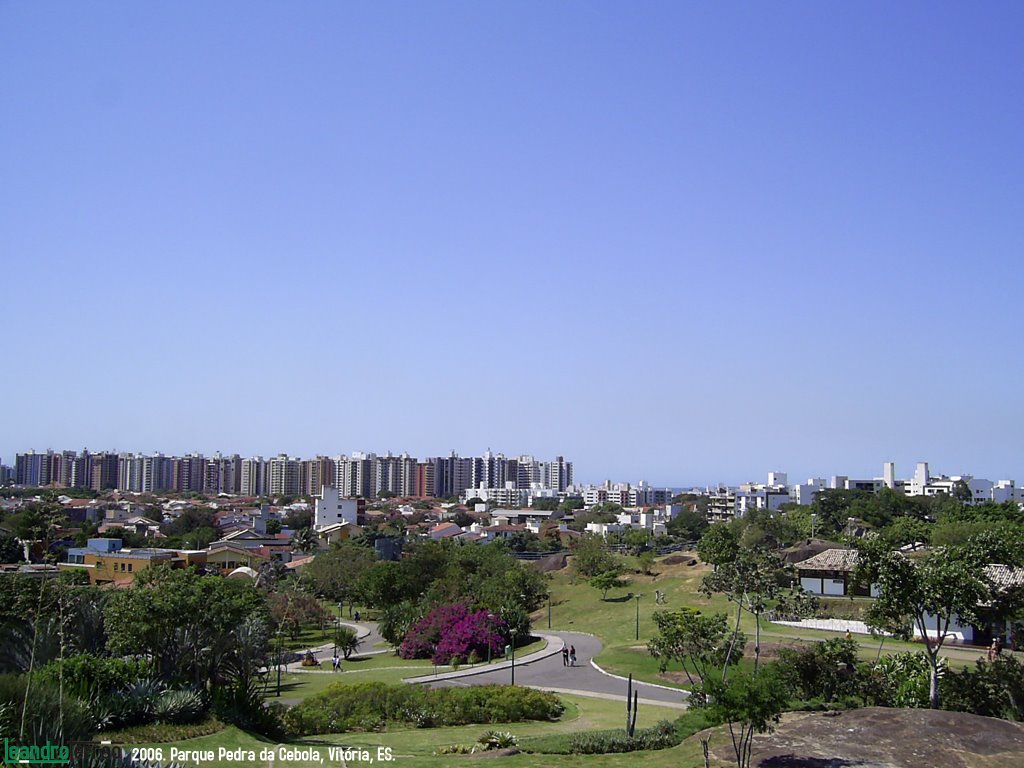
[
  {"x": 690, "y": 524},
  {"x": 463, "y": 519},
  {"x": 719, "y": 545},
  {"x": 346, "y": 640},
  {"x": 10, "y": 549},
  {"x": 696, "y": 641},
  {"x": 273, "y": 527},
  {"x": 752, "y": 579},
  {"x": 183, "y": 621},
  {"x": 549, "y": 504},
  {"x": 608, "y": 580},
  {"x": 749, "y": 704},
  {"x": 926, "y": 595},
  {"x": 591, "y": 557},
  {"x": 337, "y": 573},
  {"x": 305, "y": 540},
  {"x": 907, "y": 530}
]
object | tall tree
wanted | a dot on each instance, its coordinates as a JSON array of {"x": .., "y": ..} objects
[{"x": 924, "y": 596}]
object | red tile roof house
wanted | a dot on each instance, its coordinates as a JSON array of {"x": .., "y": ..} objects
[{"x": 444, "y": 531}]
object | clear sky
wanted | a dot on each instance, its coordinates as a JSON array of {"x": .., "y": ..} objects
[{"x": 685, "y": 242}]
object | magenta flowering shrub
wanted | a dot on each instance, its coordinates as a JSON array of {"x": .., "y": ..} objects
[{"x": 454, "y": 631}]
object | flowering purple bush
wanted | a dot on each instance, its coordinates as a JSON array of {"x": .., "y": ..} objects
[{"x": 453, "y": 630}]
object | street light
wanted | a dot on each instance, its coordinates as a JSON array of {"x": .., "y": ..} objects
[
  {"x": 278, "y": 661},
  {"x": 638, "y": 596},
  {"x": 549, "y": 610},
  {"x": 514, "y": 633}
]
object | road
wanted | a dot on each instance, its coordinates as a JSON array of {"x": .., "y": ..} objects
[{"x": 546, "y": 671}]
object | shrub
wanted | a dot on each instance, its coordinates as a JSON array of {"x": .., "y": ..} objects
[
  {"x": 89, "y": 676},
  {"x": 369, "y": 706},
  {"x": 899, "y": 680},
  {"x": 453, "y": 630},
  {"x": 242, "y": 704},
  {"x": 497, "y": 740},
  {"x": 825, "y": 670},
  {"x": 660, "y": 736},
  {"x": 992, "y": 688},
  {"x": 48, "y": 715},
  {"x": 179, "y": 707}
]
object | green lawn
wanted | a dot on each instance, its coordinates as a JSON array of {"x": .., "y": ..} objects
[
  {"x": 415, "y": 746},
  {"x": 382, "y": 667},
  {"x": 578, "y": 607}
]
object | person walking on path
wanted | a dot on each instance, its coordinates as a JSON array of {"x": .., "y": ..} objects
[
  {"x": 565, "y": 655},
  {"x": 572, "y": 655},
  {"x": 336, "y": 662}
]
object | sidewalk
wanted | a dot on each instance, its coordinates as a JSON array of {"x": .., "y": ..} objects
[{"x": 554, "y": 645}]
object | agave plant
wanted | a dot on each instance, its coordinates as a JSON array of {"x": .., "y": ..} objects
[
  {"x": 497, "y": 740},
  {"x": 184, "y": 706}
]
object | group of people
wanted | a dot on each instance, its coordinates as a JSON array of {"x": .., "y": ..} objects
[
  {"x": 568, "y": 655},
  {"x": 336, "y": 663}
]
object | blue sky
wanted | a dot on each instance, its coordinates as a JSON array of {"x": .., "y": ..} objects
[{"x": 686, "y": 242}]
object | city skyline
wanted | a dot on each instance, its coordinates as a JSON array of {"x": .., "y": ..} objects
[
  {"x": 679, "y": 243},
  {"x": 889, "y": 467}
]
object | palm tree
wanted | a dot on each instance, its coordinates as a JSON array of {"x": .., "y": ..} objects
[{"x": 305, "y": 540}]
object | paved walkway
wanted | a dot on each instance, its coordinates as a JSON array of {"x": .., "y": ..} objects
[
  {"x": 369, "y": 638},
  {"x": 545, "y": 671}
]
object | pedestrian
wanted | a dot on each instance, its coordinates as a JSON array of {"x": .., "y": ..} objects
[
  {"x": 572, "y": 655},
  {"x": 565, "y": 655},
  {"x": 336, "y": 662},
  {"x": 357, "y": 615}
]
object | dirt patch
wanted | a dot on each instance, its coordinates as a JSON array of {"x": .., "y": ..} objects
[
  {"x": 875, "y": 737},
  {"x": 551, "y": 563},
  {"x": 679, "y": 560},
  {"x": 770, "y": 651}
]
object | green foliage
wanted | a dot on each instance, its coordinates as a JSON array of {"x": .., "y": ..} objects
[
  {"x": 690, "y": 524},
  {"x": 179, "y": 707},
  {"x": 993, "y": 688},
  {"x": 497, "y": 740},
  {"x": 346, "y": 640},
  {"x": 48, "y": 716},
  {"x": 901, "y": 680},
  {"x": 660, "y": 736},
  {"x": 10, "y": 549},
  {"x": 941, "y": 586},
  {"x": 646, "y": 562},
  {"x": 749, "y": 704},
  {"x": 825, "y": 670},
  {"x": 718, "y": 545},
  {"x": 89, "y": 676},
  {"x": 241, "y": 704},
  {"x": 155, "y": 733},
  {"x": 371, "y": 706},
  {"x": 608, "y": 580},
  {"x": 546, "y": 504},
  {"x": 700, "y": 643},
  {"x": 591, "y": 556},
  {"x": 187, "y": 623}
]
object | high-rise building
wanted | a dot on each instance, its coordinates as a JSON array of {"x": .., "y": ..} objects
[
  {"x": 284, "y": 476},
  {"x": 253, "y": 481}
]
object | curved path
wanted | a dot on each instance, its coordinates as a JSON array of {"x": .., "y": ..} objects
[
  {"x": 545, "y": 671},
  {"x": 369, "y": 640}
]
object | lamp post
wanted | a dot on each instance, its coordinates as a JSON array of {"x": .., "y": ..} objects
[
  {"x": 491, "y": 618},
  {"x": 514, "y": 632},
  {"x": 549, "y": 610},
  {"x": 638, "y": 596},
  {"x": 278, "y": 661},
  {"x": 814, "y": 518}
]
